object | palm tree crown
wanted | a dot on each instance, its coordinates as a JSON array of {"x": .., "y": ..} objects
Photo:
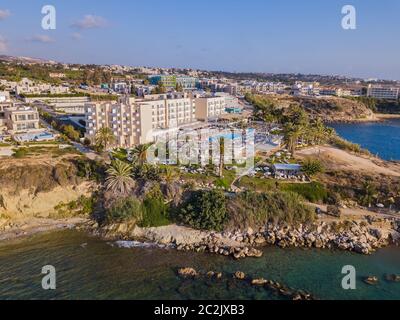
[
  {"x": 104, "y": 137},
  {"x": 119, "y": 179}
]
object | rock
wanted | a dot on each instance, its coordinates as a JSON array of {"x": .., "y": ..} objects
[
  {"x": 210, "y": 274},
  {"x": 259, "y": 282},
  {"x": 187, "y": 272},
  {"x": 377, "y": 233},
  {"x": 372, "y": 280},
  {"x": 392, "y": 277},
  {"x": 239, "y": 275}
]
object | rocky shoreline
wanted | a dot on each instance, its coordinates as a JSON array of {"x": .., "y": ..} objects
[{"x": 361, "y": 237}]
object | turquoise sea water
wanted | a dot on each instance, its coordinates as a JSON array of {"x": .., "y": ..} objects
[
  {"x": 90, "y": 268},
  {"x": 380, "y": 138}
]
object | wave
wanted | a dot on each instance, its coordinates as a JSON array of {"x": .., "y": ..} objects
[{"x": 138, "y": 244}]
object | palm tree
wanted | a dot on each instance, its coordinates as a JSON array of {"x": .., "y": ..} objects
[
  {"x": 169, "y": 175},
  {"x": 292, "y": 135},
  {"x": 139, "y": 153},
  {"x": 221, "y": 143},
  {"x": 119, "y": 179},
  {"x": 104, "y": 138},
  {"x": 369, "y": 193}
]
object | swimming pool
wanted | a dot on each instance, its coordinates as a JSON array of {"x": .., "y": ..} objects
[{"x": 39, "y": 136}]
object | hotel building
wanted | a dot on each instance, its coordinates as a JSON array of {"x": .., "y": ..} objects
[
  {"x": 210, "y": 108},
  {"x": 388, "y": 93},
  {"x": 138, "y": 121}
]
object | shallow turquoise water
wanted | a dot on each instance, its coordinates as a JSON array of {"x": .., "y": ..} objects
[
  {"x": 98, "y": 270},
  {"x": 381, "y": 138}
]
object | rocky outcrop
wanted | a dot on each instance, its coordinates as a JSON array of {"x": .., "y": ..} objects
[
  {"x": 270, "y": 285},
  {"x": 360, "y": 237}
]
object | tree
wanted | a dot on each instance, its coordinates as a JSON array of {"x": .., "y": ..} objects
[
  {"x": 205, "y": 210},
  {"x": 104, "y": 138},
  {"x": 221, "y": 145},
  {"x": 119, "y": 179},
  {"x": 368, "y": 193},
  {"x": 71, "y": 132},
  {"x": 292, "y": 134},
  {"x": 139, "y": 153}
]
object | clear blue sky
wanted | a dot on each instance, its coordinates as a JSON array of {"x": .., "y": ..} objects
[{"x": 253, "y": 35}]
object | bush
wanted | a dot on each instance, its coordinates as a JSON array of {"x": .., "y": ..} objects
[
  {"x": 314, "y": 192},
  {"x": 124, "y": 210},
  {"x": 155, "y": 213},
  {"x": 20, "y": 153},
  {"x": 204, "y": 210},
  {"x": 256, "y": 209},
  {"x": 312, "y": 166}
]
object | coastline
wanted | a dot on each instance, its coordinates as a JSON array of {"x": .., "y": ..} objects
[
  {"x": 23, "y": 228},
  {"x": 387, "y": 116},
  {"x": 357, "y": 235},
  {"x": 377, "y": 117}
]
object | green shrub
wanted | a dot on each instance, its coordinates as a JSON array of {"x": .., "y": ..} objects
[
  {"x": 314, "y": 192},
  {"x": 124, "y": 210},
  {"x": 204, "y": 210},
  {"x": 256, "y": 209},
  {"x": 312, "y": 166},
  {"x": 155, "y": 213},
  {"x": 20, "y": 153}
]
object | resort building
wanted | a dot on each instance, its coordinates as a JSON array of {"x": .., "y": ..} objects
[
  {"x": 21, "y": 119},
  {"x": 210, "y": 107},
  {"x": 69, "y": 104},
  {"x": 138, "y": 121},
  {"x": 379, "y": 92}
]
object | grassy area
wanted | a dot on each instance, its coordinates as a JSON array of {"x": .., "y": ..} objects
[
  {"x": 257, "y": 184},
  {"x": 32, "y": 151},
  {"x": 314, "y": 192}
]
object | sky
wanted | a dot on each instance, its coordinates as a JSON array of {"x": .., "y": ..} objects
[{"x": 290, "y": 36}]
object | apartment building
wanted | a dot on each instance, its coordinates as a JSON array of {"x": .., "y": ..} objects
[
  {"x": 328, "y": 91},
  {"x": 210, "y": 107},
  {"x": 4, "y": 96},
  {"x": 70, "y": 104},
  {"x": 379, "y": 92},
  {"x": 20, "y": 119},
  {"x": 137, "y": 121}
]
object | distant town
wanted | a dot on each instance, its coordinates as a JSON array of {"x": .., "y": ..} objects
[{"x": 139, "y": 103}]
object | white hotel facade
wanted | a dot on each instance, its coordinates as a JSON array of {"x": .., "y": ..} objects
[{"x": 138, "y": 121}]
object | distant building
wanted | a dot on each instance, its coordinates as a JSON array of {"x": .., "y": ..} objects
[
  {"x": 379, "y": 92},
  {"x": 71, "y": 104},
  {"x": 57, "y": 75},
  {"x": 171, "y": 81},
  {"x": 328, "y": 91}
]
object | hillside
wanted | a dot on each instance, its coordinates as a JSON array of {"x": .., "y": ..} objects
[
  {"x": 34, "y": 187},
  {"x": 330, "y": 109}
]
